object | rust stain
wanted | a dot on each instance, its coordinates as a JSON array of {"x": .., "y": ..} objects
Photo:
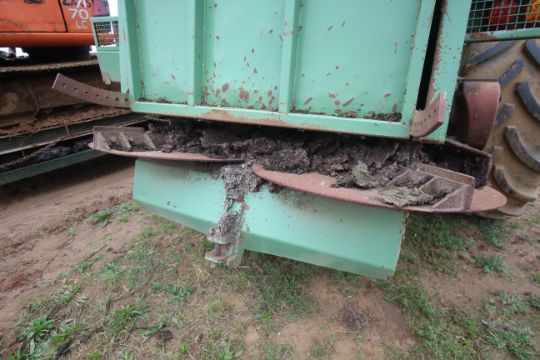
[
  {"x": 337, "y": 102},
  {"x": 224, "y": 87},
  {"x": 348, "y": 102},
  {"x": 308, "y": 100},
  {"x": 338, "y": 111},
  {"x": 269, "y": 93},
  {"x": 244, "y": 95},
  {"x": 332, "y": 95}
]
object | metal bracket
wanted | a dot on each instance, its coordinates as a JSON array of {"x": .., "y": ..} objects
[
  {"x": 84, "y": 92},
  {"x": 430, "y": 119}
]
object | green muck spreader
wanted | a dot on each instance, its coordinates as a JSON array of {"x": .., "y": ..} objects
[{"x": 309, "y": 129}]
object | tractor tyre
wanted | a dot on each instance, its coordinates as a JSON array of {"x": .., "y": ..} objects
[{"x": 514, "y": 141}]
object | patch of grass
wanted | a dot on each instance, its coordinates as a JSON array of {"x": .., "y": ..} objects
[
  {"x": 433, "y": 238},
  {"x": 278, "y": 285},
  {"x": 271, "y": 351},
  {"x": 534, "y": 301},
  {"x": 112, "y": 273},
  {"x": 216, "y": 309},
  {"x": 83, "y": 267},
  {"x": 126, "y": 355},
  {"x": 146, "y": 233},
  {"x": 323, "y": 349},
  {"x": 169, "y": 227},
  {"x": 146, "y": 264},
  {"x": 126, "y": 207},
  {"x": 73, "y": 230},
  {"x": 514, "y": 303},
  {"x": 99, "y": 217},
  {"x": 177, "y": 293},
  {"x": 122, "y": 318},
  {"x": 226, "y": 353},
  {"x": 123, "y": 218},
  {"x": 183, "y": 348},
  {"x": 66, "y": 293},
  {"x": 94, "y": 355},
  {"x": 508, "y": 335},
  {"x": 38, "y": 329},
  {"x": 491, "y": 264},
  {"x": 445, "y": 335},
  {"x": 535, "y": 277},
  {"x": 494, "y": 231}
]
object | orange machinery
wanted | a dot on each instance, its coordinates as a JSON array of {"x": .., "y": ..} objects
[{"x": 47, "y": 23}]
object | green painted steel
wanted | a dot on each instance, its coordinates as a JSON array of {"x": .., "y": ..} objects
[
  {"x": 108, "y": 54},
  {"x": 46, "y": 166},
  {"x": 333, "y": 66},
  {"x": 448, "y": 57},
  {"x": 533, "y": 33},
  {"x": 350, "y": 237}
]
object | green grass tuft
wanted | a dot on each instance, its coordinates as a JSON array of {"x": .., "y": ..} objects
[
  {"x": 99, "y": 217},
  {"x": 509, "y": 336},
  {"x": 494, "y": 231},
  {"x": 445, "y": 335},
  {"x": 491, "y": 264},
  {"x": 122, "y": 317}
]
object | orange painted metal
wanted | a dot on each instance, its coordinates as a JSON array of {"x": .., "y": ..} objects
[
  {"x": 77, "y": 15},
  {"x": 37, "y": 23},
  {"x": 22, "y": 16},
  {"x": 45, "y": 39}
]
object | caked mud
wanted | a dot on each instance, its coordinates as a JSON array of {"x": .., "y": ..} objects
[{"x": 354, "y": 161}]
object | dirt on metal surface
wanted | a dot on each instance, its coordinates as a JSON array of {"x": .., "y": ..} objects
[{"x": 356, "y": 162}]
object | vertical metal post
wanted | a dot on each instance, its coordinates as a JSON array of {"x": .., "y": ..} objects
[
  {"x": 194, "y": 51},
  {"x": 288, "y": 55},
  {"x": 130, "y": 74},
  {"x": 421, "y": 36}
]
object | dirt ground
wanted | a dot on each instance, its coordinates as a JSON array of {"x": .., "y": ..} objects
[{"x": 109, "y": 280}]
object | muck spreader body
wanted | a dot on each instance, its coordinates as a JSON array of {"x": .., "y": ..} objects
[{"x": 309, "y": 129}]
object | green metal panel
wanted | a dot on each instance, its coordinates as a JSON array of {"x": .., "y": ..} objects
[
  {"x": 533, "y": 33},
  {"x": 355, "y": 57},
  {"x": 162, "y": 52},
  {"x": 108, "y": 54},
  {"x": 305, "y": 64},
  {"x": 448, "y": 57},
  {"x": 242, "y": 53},
  {"x": 339, "y": 235}
]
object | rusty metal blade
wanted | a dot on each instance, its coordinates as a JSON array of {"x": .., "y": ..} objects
[
  {"x": 88, "y": 93},
  {"x": 136, "y": 136},
  {"x": 158, "y": 155},
  {"x": 485, "y": 198}
]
